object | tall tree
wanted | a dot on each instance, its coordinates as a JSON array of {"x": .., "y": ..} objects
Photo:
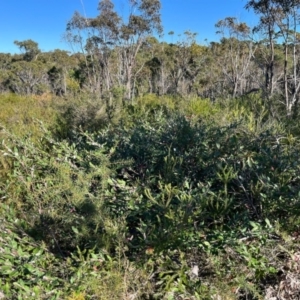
[
  {"x": 109, "y": 34},
  {"x": 61, "y": 67},
  {"x": 28, "y": 77},
  {"x": 30, "y": 49},
  {"x": 237, "y": 53},
  {"x": 5, "y": 64},
  {"x": 144, "y": 20},
  {"x": 287, "y": 21},
  {"x": 267, "y": 11},
  {"x": 279, "y": 18}
]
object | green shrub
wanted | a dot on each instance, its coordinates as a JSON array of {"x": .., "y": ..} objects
[
  {"x": 19, "y": 113},
  {"x": 134, "y": 206},
  {"x": 28, "y": 270},
  {"x": 152, "y": 101},
  {"x": 203, "y": 108},
  {"x": 57, "y": 190},
  {"x": 186, "y": 173},
  {"x": 87, "y": 112}
]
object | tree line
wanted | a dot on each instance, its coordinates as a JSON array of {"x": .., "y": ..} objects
[{"x": 127, "y": 56}]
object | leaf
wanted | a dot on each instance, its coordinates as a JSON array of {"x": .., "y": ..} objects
[
  {"x": 249, "y": 162},
  {"x": 254, "y": 225},
  {"x": 75, "y": 230},
  {"x": 110, "y": 182},
  {"x": 37, "y": 252},
  {"x": 268, "y": 223},
  {"x": 206, "y": 243},
  {"x": 22, "y": 285},
  {"x": 186, "y": 185}
]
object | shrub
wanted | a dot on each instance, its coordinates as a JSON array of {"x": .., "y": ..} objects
[
  {"x": 57, "y": 191},
  {"x": 86, "y": 112},
  {"x": 19, "y": 113},
  {"x": 155, "y": 205},
  {"x": 203, "y": 108}
]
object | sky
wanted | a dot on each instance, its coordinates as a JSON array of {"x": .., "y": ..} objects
[{"x": 44, "y": 21}]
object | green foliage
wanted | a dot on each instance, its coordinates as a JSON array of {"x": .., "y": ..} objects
[
  {"x": 203, "y": 108},
  {"x": 30, "y": 49},
  {"x": 53, "y": 185},
  {"x": 89, "y": 112},
  {"x": 28, "y": 270},
  {"x": 118, "y": 193},
  {"x": 152, "y": 102},
  {"x": 28, "y": 77},
  {"x": 157, "y": 204},
  {"x": 226, "y": 161},
  {"x": 19, "y": 113},
  {"x": 86, "y": 112}
]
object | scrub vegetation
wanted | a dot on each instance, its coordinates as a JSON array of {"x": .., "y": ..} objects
[{"x": 139, "y": 169}]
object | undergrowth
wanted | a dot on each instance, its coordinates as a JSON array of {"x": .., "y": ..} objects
[{"x": 170, "y": 199}]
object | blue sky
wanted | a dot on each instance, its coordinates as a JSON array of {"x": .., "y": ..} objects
[{"x": 44, "y": 21}]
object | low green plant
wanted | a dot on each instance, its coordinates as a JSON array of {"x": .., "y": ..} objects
[
  {"x": 201, "y": 108},
  {"x": 28, "y": 270},
  {"x": 153, "y": 205},
  {"x": 152, "y": 101},
  {"x": 19, "y": 113},
  {"x": 57, "y": 190}
]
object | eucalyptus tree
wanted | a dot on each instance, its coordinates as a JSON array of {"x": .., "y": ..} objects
[
  {"x": 279, "y": 20},
  {"x": 184, "y": 61},
  {"x": 5, "y": 62},
  {"x": 237, "y": 54},
  {"x": 61, "y": 70},
  {"x": 77, "y": 35},
  {"x": 287, "y": 20},
  {"x": 28, "y": 77},
  {"x": 108, "y": 35},
  {"x": 180, "y": 56},
  {"x": 30, "y": 49},
  {"x": 267, "y": 23},
  {"x": 103, "y": 37},
  {"x": 144, "y": 20}
]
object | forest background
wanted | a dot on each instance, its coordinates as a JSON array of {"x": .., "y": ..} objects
[{"x": 137, "y": 168}]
